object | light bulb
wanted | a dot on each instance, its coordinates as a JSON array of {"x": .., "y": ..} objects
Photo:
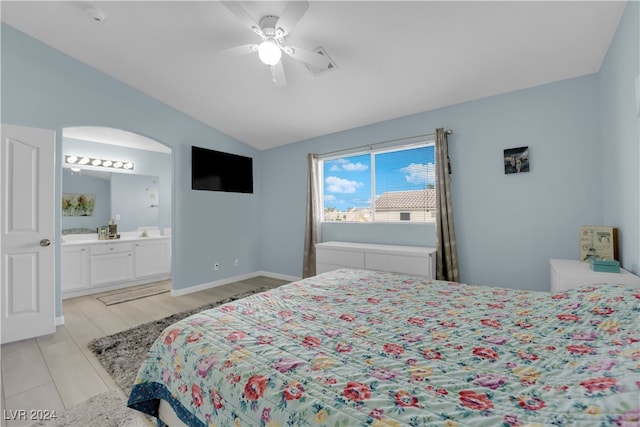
[{"x": 269, "y": 52}]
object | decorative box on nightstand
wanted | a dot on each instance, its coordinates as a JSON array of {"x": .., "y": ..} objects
[
  {"x": 604, "y": 265},
  {"x": 568, "y": 274}
]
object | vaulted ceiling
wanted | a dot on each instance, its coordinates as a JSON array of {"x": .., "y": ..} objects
[{"x": 392, "y": 58}]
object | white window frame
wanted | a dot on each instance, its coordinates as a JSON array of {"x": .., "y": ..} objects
[{"x": 372, "y": 152}]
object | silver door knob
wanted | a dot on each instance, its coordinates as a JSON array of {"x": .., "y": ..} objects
[{"x": 45, "y": 242}]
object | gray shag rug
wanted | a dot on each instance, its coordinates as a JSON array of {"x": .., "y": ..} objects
[
  {"x": 108, "y": 409},
  {"x": 122, "y": 353}
]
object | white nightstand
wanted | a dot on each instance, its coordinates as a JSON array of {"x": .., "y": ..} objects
[{"x": 568, "y": 274}]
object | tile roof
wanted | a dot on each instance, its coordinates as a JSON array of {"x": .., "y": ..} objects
[{"x": 414, "y": 199}]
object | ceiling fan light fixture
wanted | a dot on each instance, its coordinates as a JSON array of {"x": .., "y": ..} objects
[{"x": 269, "y": 52}]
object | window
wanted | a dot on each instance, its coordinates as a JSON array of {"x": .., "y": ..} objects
[{"x": 382, "y": 185}]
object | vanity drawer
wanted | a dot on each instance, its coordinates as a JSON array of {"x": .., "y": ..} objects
[{"x": 111, "y": 248}]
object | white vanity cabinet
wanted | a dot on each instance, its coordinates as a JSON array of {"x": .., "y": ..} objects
[
  {"x": 75, "y": 267},
  {"x": 151, "y": 257},
  {"x": 92, "y": 266},
  {"x": 111, "y": 262}
]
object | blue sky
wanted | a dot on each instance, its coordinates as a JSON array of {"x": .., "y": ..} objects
[{"x": 347, "y": 181}]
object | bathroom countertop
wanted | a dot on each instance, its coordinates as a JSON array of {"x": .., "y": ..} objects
[{"x": 82, "y": 240}]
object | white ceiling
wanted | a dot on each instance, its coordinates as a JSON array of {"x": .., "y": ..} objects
[{"x": 393, "y": 58}]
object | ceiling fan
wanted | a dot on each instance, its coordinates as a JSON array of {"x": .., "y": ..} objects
[{"x": 273, "y": 30}]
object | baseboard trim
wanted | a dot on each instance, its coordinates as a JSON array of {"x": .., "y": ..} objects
[
  {"x": 59, "y": 321},
  {"x": 222, "y": 282},
  {"x": 278, "y": 276}
]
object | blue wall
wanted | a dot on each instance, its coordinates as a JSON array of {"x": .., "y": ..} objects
[
  {"x": 620, "y": 135},
  {"x": 582, "y": 138},
  {"x": 508, "y": 226},
  {"x": 44, "y": 88},
  {"x": 584, "y": 141}
]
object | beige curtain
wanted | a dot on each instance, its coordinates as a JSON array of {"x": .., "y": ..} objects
[
  {"x": 312, "y": 226},
  {"x": 447, "y": 253}
]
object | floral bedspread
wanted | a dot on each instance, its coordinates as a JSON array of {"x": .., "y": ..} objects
[{"x": 359, "y": 348}]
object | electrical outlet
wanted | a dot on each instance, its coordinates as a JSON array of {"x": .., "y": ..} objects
[
  {"x": 216, "y": 266},
  {"x": 237, "y": 263}
]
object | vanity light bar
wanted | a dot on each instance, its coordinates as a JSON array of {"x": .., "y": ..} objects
[{"x": 114, "y": 164}]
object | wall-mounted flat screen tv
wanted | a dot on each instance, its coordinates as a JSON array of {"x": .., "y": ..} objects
[{"x": 217, "y": 171}]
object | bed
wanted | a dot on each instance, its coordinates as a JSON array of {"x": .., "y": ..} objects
[{"x": 359, "y": 348}]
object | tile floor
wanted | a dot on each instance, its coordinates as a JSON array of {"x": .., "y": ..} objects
[{"x": 58, "y": 371}]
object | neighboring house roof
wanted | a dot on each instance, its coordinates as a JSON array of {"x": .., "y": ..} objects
[{"x": 414, "y": 199}]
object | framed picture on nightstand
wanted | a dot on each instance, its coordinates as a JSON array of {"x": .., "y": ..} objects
[{"x": 599, "y": 242}]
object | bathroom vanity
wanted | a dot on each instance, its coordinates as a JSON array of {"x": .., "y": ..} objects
[{"x": 90, "y": 265}]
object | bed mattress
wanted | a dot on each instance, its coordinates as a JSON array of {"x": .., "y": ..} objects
[{"x": 360, "y": 348}]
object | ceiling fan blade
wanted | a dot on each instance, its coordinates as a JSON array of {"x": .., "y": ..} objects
[
  {"x": 243, "y": 16},
  {"x": 310, "y": 57},
  {"x": 290, "y": 17},
  {"x": 277, "y": 74},
  {"x": 244, "y": 49}
]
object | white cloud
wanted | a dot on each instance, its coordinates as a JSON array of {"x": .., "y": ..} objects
[
  {"x": 339, "y": 185},
  {"x": 419, "y": 174},
  {"x": 329, "y": 198},
  {"x": 357, "y": 167},
  {"x": 343, "y": 164}
]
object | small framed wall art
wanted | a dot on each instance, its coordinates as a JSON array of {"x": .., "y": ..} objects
[
  {"x": 598, "y": 242},
  {"x": 78, "y": 204},
  {"x": 516, "y": 160}
]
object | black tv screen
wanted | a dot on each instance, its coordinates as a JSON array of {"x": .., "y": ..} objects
[{"x": 217, "y": 171}]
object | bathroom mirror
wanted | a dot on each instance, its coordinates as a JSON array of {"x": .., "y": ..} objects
[{"x": 131, "y": 200}]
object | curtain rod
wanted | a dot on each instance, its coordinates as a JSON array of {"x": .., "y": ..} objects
[{"x": 447, "y": 132}]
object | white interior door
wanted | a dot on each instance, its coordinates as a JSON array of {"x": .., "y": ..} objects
[{"x": 27, "y": 220}]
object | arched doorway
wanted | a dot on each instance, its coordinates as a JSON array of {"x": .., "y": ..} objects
[{"x": 125, "y": 179}]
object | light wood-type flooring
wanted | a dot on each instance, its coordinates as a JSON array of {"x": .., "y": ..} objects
[{"x": 58, "y": 371}]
